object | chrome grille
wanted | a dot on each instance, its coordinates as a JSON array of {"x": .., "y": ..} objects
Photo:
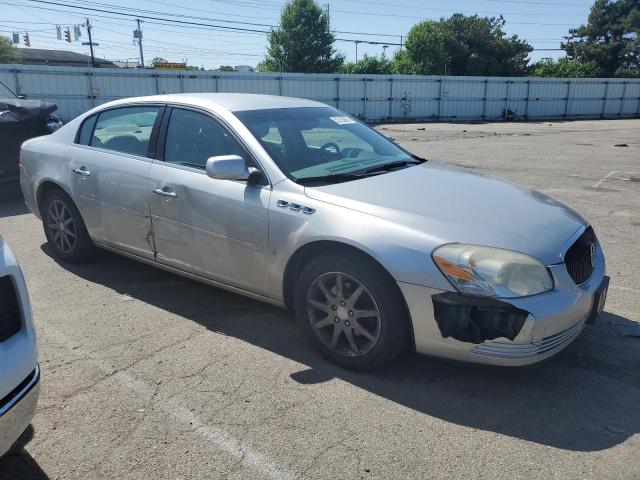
[
  {"x": 578, "y": 258},
  {"x": 10, "y": 316}
]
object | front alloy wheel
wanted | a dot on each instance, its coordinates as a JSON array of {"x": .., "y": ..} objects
[
  {"x": 343, "y": 314},
  {"x": 351, "y": 310}
]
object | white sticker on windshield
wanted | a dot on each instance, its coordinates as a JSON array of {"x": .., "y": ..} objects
[{"x": 342, "y": 120}]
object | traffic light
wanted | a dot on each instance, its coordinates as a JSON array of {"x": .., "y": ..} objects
[
  {"x": 67, "y": 35},
  {"x": 25, "y": 37}
]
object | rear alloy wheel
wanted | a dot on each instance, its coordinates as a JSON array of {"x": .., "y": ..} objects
[
  {"x": 64, "y": 228},
  {"x": 352, "y": 311}
]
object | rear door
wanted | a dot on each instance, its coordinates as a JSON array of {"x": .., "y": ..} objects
[
  {"x": 110, "y": 170},
  {"x": 213, "y": 228}
]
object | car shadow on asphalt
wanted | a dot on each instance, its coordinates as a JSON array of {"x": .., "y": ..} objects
[
  {"x": 11, "y": 205},
  {"x": 584, "y": 399},
  {"x": 19, "y": 464}
]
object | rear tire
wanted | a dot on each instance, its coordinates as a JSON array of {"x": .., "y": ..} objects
[
  {"x": 351, "y": 311},
  {"x": 65, "y": 230}
]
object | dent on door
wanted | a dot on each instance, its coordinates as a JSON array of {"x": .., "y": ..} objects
[
  {"x": 213, "y": 228},
  {"x": 112, "y": 194}
]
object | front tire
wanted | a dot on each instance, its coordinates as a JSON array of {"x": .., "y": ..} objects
[
  {"x": 65, "y": 230},
  {"x": 351, "y": 311}
]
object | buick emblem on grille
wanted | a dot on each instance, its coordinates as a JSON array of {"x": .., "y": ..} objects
[{"x": 592, "y": 250}]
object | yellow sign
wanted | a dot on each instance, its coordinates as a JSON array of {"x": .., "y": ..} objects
[{"x": 170, "y": 66}]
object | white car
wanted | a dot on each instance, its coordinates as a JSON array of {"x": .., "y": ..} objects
[{"x": 19, "y": 371}]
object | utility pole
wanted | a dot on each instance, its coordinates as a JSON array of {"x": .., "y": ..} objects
[
  {"x": 328, "y": 17},
  {"x": 90, "y": 43},
  {"x": 137, "y": 34},
  {"x": 357, "y": 42}
]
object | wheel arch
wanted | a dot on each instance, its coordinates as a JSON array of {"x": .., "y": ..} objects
[
  {"x": 306, "y": 252},
  {"x": 45, "y": 187}
]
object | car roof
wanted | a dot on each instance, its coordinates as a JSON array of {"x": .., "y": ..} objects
[{"x": 234, "y": 102}]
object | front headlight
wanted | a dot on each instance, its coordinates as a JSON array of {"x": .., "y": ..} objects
[{"x": 491, "y": 272}]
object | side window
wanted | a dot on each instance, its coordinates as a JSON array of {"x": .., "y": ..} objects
[
  {"x": 125, "y": 129},
  {"x": 193, "y": 137},
  {"x": 86, "y": 130}
]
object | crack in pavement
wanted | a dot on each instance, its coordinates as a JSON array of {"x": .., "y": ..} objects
[{"x": 224, "y": 441}]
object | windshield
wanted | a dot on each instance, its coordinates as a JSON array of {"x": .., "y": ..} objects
[
  {"x": 5, "y": 92},
  {"x": 317, "y": 142}
]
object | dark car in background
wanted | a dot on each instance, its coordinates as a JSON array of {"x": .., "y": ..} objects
[{"x": 20, "y": 119}]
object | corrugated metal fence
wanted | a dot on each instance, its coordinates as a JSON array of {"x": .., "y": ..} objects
[{"x": 374, "y": 98}]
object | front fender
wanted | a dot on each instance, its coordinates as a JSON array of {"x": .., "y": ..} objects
[{"x": 402, "y": 251}]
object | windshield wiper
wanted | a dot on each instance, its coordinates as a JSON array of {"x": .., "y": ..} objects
[
  {"x": 331, "y": 178},
  {"x": 385, "y": 167}
]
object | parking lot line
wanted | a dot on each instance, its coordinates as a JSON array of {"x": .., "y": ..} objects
[
  {"x": 604, "y": 179},
  {"x": 248, "y": 457}
]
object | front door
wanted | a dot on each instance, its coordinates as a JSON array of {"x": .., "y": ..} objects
[
  {"x": 109, "y": 170},
  {"x": 213, "y": 228}
]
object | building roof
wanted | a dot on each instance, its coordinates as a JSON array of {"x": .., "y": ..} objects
[
  {"x": 60, "y": 58},
  {"x": 127, "y": 64}
]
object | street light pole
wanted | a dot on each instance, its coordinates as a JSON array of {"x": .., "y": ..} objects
[{"x": 357, "y": 42}]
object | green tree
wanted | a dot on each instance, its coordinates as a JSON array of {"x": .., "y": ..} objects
[
  {"x": 369, "y": 64},
  {"x": 611, "y": 38},
  {"x": 8, "y": 53},
  {"x": 226, "y": 68},
  {"x": 158, "y": 60},
  {"x": 463, "y": 45},
  {"x": 302, "y": 42},
  {"x": 565, "y": 67}
]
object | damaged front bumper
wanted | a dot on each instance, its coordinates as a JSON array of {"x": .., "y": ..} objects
[{"x": 508, "y": 332}]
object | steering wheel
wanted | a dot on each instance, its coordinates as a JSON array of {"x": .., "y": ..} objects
[
  {"x": 351, "y": 152},
  {"x": 328, "y": 145}
]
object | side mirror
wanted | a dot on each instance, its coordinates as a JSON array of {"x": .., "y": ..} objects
[{"x": 227, "y": 167}]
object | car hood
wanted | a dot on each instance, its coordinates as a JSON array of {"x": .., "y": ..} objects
[
  {"x": 15, "y": 111},
  {"x": 452, "y": 204}
]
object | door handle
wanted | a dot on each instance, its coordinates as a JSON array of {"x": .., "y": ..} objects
[
  {"x": 82, "y": 171},
  {"x": 165, "y": 193}
]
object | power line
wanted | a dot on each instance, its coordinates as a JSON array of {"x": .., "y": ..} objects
[
  {"x": 549, "y": 4},
  {"x": 186, "y": 22},
  {"x": 210, "y": 19},
  {"x": 112, "y": 45},
  {"x": 146, "y": 12},
  {"x": 431, "y": 9},
  {"x": 161, "y": 20}
]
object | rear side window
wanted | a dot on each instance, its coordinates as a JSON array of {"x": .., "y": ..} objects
[
  {"x": 86, "y": 130},
  {"x": 126, "y": 129}
]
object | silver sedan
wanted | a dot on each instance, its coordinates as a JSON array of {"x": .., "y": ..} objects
[{"x": 301, "y": 205}]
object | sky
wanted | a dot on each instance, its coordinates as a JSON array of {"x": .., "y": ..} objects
[{"x": 232, "y": 33}]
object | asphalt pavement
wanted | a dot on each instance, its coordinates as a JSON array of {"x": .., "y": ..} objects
[{"x": 148, "y": 375}]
